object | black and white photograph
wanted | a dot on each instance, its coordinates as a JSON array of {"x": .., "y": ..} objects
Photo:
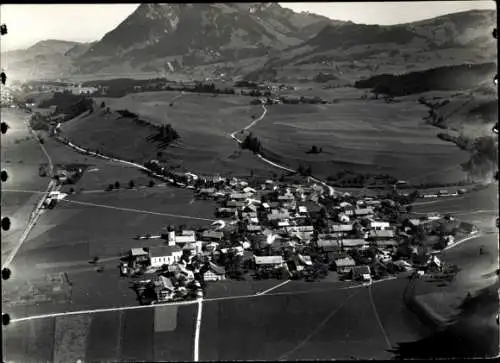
[{"x": 219, "y": 181}]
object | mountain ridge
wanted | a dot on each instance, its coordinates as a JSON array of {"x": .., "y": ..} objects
[{"x": 262, "y": 40}]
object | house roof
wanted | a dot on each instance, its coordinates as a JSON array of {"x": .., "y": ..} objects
[
  {"x": 385, "y": 233},
  {"x": 353, "y": 242},
  {"x": 213, "y": 234},
  {"x": 328, "y": 243},
  {"x": 342, "y": 227},
  {"x": 346, "y": 261},
  {"x": 268, "y": 260},
  {"x": 162, "y": 251},
  {"x": 252, "y": 227},
  {"x": 361, "y": 270},
  {"x": 138, "y": 251},
  {"x": 363, "y": 211},
  {"x": 185, "y": 239},
  {"x": 238, "y": 195},
  {"x": 234, "y": 203}
]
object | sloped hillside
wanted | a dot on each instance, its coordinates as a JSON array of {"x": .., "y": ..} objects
[
  {"x": 193, "y": 34},
  {"x": 353, "y": 51}
]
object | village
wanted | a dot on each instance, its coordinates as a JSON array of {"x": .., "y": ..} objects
[{"x": 288, "y": 230}]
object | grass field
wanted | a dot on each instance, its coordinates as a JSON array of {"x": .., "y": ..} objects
[
  {"x": 110, "y": 336},
  {"x": 363, "y": 136},
  {"x": 366, "y": 136},
  {"x": 338, "y": 324},
  {"x": 203, "y": 122}
]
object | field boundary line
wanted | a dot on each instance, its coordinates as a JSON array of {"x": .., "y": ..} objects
[
  {"x": 379, "y": 322},
  {"x": 95, "y": 311},
  {"x": 318, "y": 327},
  {"x": 196, "y": 353},
  {"x": 272, "y": 288},
  {"x": 222, "y": 298},
  {"x": 138, "y": 210}
]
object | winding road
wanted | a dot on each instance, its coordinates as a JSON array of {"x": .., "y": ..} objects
[{"x": 331, "y": 190}]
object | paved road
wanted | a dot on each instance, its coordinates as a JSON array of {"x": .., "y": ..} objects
[{"x": 33, "y": 217}]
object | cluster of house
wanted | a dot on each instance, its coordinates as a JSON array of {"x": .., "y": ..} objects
[
  {"x": 276, "y": 226},
  {"x": 445, "y": 193}
]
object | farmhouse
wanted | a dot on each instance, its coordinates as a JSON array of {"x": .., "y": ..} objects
[
  {"x": 341, "y": 227},
  {"x": 268, "y": 261},
  {"x": 379, "y": 225},
  {"x": 363, "y": 212},
  {"x": 345, "y": 265},
  {"x": 212, "y": 236},
  {"x": 139, "y": 254},
  {"x": 353, "y": 243},
  {"x": 361, "y": 273},
  {"x": 212, "y": 272},
  {"x": 382, "y": 234},
  {"x": 164, "y": 255}
]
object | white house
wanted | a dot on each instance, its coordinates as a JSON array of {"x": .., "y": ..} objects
[
  {"x": 164, "y": 255},
  {"x": 379, "y": 225}
]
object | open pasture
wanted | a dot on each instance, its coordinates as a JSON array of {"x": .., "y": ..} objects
[
  {"x": 336, "y": 324},
  {"x": 108, "y": 336},
  {"x": 204, "y": 123},
  {"x": 105, "y": 224},
  {"x": 362, "y": 136}
]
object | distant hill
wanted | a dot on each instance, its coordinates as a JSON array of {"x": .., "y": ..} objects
[
  {"x": 352, "y": 51},
  {"x": 47, "y": 59}
]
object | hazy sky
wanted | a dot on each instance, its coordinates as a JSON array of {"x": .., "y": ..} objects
[{"x": 28, "y": 24}]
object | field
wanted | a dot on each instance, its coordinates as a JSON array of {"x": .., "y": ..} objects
[
  {"x": 337, "y": 323},
  {"x": 203, "y": 122},
  {"x": 131, "y": 335},
  {"x": 362, "y": 136},
  {"x": 366, "y": 136}
]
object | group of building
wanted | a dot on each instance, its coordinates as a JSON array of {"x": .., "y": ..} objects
[{"x": 278, "y": 227}]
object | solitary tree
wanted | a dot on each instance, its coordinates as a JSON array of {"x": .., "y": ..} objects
[
  {"x": 117, "y": 185},
  {"x": 103, "y": 104},
  {"x": 131, "y": 184},
  {"x": 151, "y": 183}
]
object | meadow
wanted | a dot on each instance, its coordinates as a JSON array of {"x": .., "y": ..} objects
[
  {"x": 363, "y": 136},
  {"x": 337, "y": 324},
  {"x": 204, "y": 123},
  {"x": 132, "y": 335}
]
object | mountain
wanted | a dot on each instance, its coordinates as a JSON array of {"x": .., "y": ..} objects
[
  {"x": 45, "y": 59},
  {"x": 189, "y": 35},
  {"x": 349, "y": 51}
]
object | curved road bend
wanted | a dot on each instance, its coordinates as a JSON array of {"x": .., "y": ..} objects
[
  {"x": 331, "y": 190},
  {"x": 37, "y": 211}
]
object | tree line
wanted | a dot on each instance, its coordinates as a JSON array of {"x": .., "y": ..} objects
[{"x": 442, "y": 78}]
